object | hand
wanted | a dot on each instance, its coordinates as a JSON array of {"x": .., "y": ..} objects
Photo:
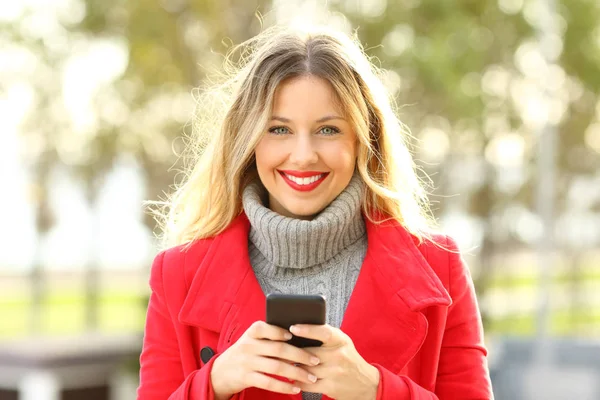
[
  {"x": 261, "y": 350},
  {"x": 342, "y": 374}
]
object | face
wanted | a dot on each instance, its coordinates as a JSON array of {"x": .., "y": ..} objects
[{"x": 308, "y": 153}]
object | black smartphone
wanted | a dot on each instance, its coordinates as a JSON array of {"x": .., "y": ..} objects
[{"x": 285, "y": 310}]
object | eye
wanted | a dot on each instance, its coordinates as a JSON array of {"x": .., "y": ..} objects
[
  {"x": 278, "y": 130},
  {"x": 329, "y": 130}
]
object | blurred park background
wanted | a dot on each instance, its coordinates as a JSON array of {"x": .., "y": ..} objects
[{"x": 502, "y": 97}]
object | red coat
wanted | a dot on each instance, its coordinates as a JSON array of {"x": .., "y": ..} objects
[{"x": 413, "y": 315}]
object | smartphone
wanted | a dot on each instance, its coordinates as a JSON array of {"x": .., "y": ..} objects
[{"x": 285, "y": 310}]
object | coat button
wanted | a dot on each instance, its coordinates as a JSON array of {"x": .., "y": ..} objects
[{"x": 206, "y": 354}]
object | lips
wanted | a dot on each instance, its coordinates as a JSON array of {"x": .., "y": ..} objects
[{"x": 303, "y": 181}]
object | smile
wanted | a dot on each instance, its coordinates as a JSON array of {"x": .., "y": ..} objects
[{"x": 303, "y": 181}]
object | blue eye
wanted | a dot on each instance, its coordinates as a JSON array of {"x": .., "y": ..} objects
[
  {"x": 278, "y": 130},
  {"x": 329, "y": 130}
]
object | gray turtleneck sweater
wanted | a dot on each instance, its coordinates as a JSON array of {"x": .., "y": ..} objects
[{"x": 320, "y": 256}]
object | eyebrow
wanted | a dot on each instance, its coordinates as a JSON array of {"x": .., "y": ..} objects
[{"x": 324, "y": 119}]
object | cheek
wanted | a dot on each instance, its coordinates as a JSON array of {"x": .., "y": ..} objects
[
  {"x": 341, "y": 156},
  {"x": 265, "y": 155}
]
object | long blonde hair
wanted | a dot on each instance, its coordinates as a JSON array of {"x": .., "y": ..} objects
[{"x": 232, "y": 116}]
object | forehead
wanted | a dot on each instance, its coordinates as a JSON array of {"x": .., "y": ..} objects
[{"x": 306, "y": 94}]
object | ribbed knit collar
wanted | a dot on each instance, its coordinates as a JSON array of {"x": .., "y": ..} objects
[{"x": 295, "y": 243}]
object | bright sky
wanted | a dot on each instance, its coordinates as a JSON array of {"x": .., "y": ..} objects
[{"x": 113, "y": 231}]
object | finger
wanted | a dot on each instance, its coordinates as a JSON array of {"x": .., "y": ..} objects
[
  {"x": 319, "y": 387},
  {"x": 262, "y": 381},
  {"x": 322, "y": 353},
  {"x": 324, "y": 333},
  {"x": 281, "y": 368},
  {"x": 262, "y": 330},
  {"x": 321, "y": 371},
  {"x": 286, "y": 352}
]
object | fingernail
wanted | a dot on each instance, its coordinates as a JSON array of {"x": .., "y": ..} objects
[
  {"x": 287, "y": 336},
  {"x": 294, "y": 329},
  {"x": 314, "y": 361},
  {"x": 296, "y": 390},
  {"x": 312, "y": 378}
]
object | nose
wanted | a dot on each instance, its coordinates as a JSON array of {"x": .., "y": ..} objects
[{"x": 303, "y": 152}]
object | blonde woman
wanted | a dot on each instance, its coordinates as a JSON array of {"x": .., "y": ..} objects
[{"x": 305, "y": 186}]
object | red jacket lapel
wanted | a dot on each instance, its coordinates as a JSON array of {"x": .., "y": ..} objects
[
  {"x": 224, "y": 295},
  {"x": 384, "y": 317}
]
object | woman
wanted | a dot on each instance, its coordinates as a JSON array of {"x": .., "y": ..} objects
[{"x": 307, "y": 187}]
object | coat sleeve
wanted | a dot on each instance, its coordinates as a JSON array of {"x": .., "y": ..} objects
[
  {"x": 462, "y": 371},
  {"x": 161, "y": 372}
]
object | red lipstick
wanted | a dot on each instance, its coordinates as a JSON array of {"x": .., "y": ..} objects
[{"x": 303, "y": 174}]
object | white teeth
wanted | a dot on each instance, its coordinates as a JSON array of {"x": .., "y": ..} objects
[{"x": 304, "y": 181}]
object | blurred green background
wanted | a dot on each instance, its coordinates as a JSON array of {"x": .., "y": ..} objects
[{"x": 96, "y": 94}]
